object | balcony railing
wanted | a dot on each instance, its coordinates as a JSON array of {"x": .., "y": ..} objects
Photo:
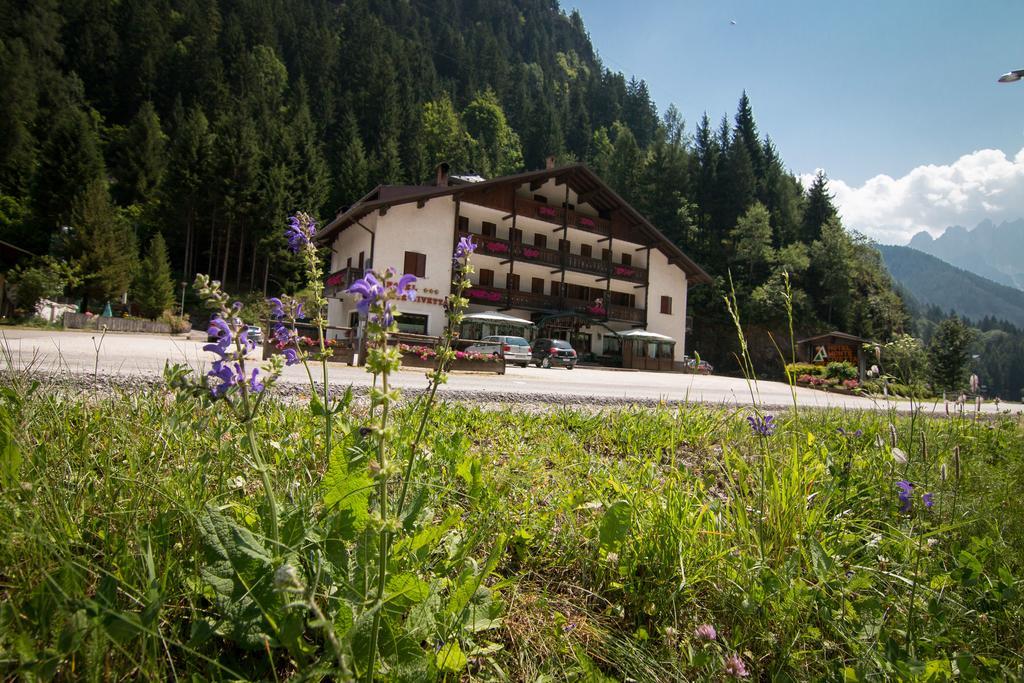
[
  {"x": 552, "y": 213},
  {"x": 340, "y": 280},
  {"x": 493, "y": 246},
  {"x": 492, "y": 296}
]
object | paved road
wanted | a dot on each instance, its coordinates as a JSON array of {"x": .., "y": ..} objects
[{"x": 144, "y": 354}]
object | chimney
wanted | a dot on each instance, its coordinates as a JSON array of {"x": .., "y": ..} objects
[
  {"x": 441, "y": 180},
  {"x": 549, "y": 163}
]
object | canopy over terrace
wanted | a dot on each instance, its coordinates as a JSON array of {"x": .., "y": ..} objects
[
  {"x": 487, "y": 323},
  {"x": 645, "y": 350}
]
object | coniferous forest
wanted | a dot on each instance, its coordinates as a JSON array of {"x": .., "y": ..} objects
[{"x": 208, "y": 122}]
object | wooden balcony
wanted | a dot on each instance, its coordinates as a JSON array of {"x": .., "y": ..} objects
[
  {"x": 340, "y": 280},
  {"x": 507, "y": 298},
  {"x": 503, "y": 249},
  {"x": 552, "y": 213}
]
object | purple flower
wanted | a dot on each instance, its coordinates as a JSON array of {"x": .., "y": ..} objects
[
  {"x": 762, "y": 426},
  {"x": 927, "y": 498},
  {"x": 255, "y": 384},
  {"x": 843, "y": 432},
  {"x": 369, "y": 289},
  {"x": 905, "y": 494},
  {"x": 300, "y": 231},
  {"x": 705, "y": 632},
  {"x": 291, "y": 357},
  {"x": 464, "y": 248},
  {"x": 735, "y": 667},
  {"x": 405, "y": 287},
  {"x": 282, "y": 334},
  {"x": 276, "y": 308},
  {"x": 247, "y": 343}
]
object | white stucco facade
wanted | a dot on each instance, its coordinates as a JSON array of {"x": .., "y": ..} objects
[{"x": 430, "y": 227}]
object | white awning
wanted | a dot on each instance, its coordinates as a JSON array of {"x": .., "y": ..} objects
[
  {"x": 644, "y": 335},
  {"x": 495, "y": 317}
]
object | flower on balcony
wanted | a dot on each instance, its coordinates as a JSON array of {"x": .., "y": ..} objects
[
  {"x": 483, "y": 294},
  {"x": 530, "y": 252},
  {"x": 336, "y": 279},
  {"x": 596, "y": 309},
  {"x": 496, "y": 247},
  {"x": 547, "y": 211},
  {"x": 586, "y": 222},
  {"x": 624, "y": 270}
]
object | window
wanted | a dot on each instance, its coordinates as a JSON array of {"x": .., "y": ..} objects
[
  {"x": 556, "y": 288},
  {"x": 540, "y": 241},
  {"x": 606, "y": 255},
  {"x": 540, "y": 198},
  {"x": 666, "y": 305},
  {"x": 512, "y": 282},
  {"x": 411, "y": 323},
  {"x": 353, "y": 319},
  {"x": 361, "y": 259},
  {"x": 563, "y": 246},
  {"x": 415, "y": 264},
  {"x": 627, "y": 259},
  {"x": 515, "y": 235},
  {"x": 537, "y": 285},
  {"x": 348, "y": 263},
  {"x": 486, "y": 277},
  {"x": 488, "y": 229},
  {"x": 463, "y": 224},
  {"x": 586, "y": 250}
]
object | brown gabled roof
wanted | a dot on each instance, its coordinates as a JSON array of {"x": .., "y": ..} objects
[
  {"x": 579, "y": 177},
  {"x": 836, "y": 335}
]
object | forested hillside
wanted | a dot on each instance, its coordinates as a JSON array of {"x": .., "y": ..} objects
[
  {"x": 210, "y": 121},
  {"x": 933, "y": 282}
]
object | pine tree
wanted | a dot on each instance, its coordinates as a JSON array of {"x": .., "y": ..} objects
[
  {"x": 818, "y": 209},
  {"x": 141, "y": 157},
  {"x": 353, "y": 177},
  {"x": 154, "y": 288},
  {"x": 101, "y": 244},
  {"x": 949, "y": 354},
  {"x": 70, "y": 160}
]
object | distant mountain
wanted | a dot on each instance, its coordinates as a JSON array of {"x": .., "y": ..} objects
[
  {"x": 993, "y": 251},
  {"x": 933, "y": 281}
]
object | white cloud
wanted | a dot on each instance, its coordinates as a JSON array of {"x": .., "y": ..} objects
[{"x": 983, "y": 184}]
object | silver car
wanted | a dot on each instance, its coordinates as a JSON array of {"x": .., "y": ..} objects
[{"x": 515, "y": 350}]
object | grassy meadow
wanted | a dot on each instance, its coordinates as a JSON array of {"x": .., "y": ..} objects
[{"x": 536, "y": 546}]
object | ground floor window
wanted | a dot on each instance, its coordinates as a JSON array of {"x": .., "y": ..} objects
[
  {"x": 412, "y": 323},
  {"x": 353, "y": 319}
]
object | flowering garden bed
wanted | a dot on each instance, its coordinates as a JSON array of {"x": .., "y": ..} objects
[{"x": 424, "y": 357}]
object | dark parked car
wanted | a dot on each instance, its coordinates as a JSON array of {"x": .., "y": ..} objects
[{"x": 548, "y": 352}]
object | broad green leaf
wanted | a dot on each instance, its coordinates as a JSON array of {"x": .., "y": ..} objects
[
  {"x": 404, "y": 591},
  {"x": 450, "y": 658},
  {"x": 348, "y": 493},
  {"x": 240, "y": 572},
  {"x": 615, "y": 525}
]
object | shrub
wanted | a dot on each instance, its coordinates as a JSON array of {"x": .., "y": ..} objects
[
  {"x": 178, "y": 323},
  {"x": 850, "y": 384},
  {"x": 841, "y": 371},
  {"x": 801, "y": 369}
]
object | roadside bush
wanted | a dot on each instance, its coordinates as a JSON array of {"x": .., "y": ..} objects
[
  {"x": 179, "y": 323},
  {"x": 841, "y": 371},
  {"x": 800, "y": 369}
]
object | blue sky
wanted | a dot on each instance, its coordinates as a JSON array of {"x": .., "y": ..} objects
[{"x": 857, "y": 88}]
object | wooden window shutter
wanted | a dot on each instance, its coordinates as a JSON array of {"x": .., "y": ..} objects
[
  {"x": 666, "y": 305},
  {"x": 486, "y": 277},
  {"x": 627, "y": 259}
]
